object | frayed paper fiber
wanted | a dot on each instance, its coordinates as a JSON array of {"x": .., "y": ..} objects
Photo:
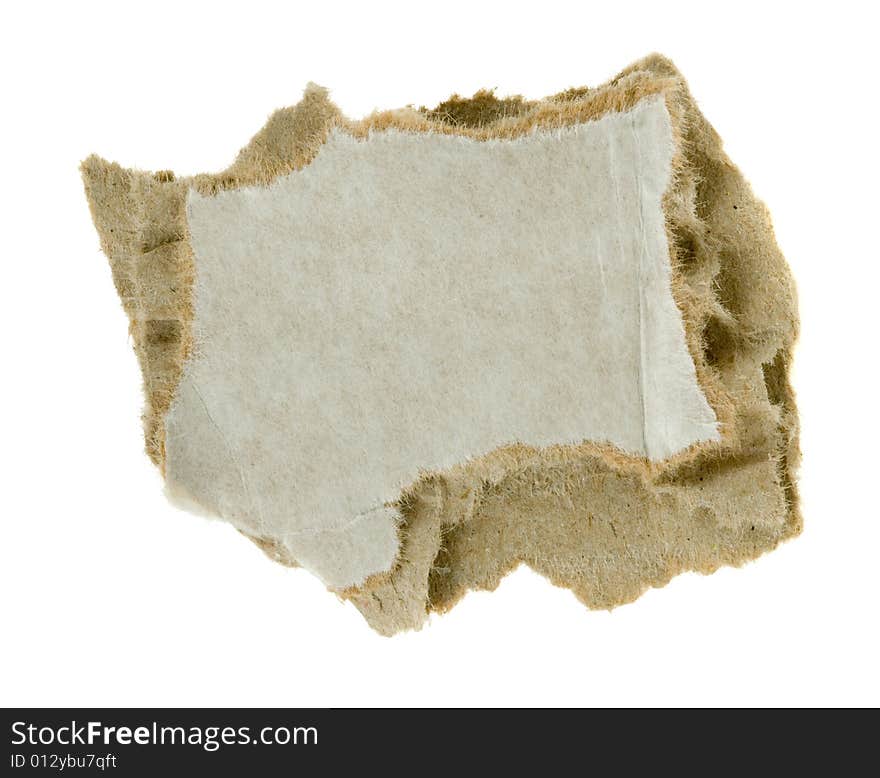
[{"x": 411, "y": 352}]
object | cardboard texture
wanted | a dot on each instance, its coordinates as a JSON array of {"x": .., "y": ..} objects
[{"x": 597, "y": 518}]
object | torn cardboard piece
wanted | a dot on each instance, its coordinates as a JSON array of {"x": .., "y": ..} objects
[{"x": 412, "y": 352}]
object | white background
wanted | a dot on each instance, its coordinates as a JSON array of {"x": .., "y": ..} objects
[{"x": 110, "y": 596}]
